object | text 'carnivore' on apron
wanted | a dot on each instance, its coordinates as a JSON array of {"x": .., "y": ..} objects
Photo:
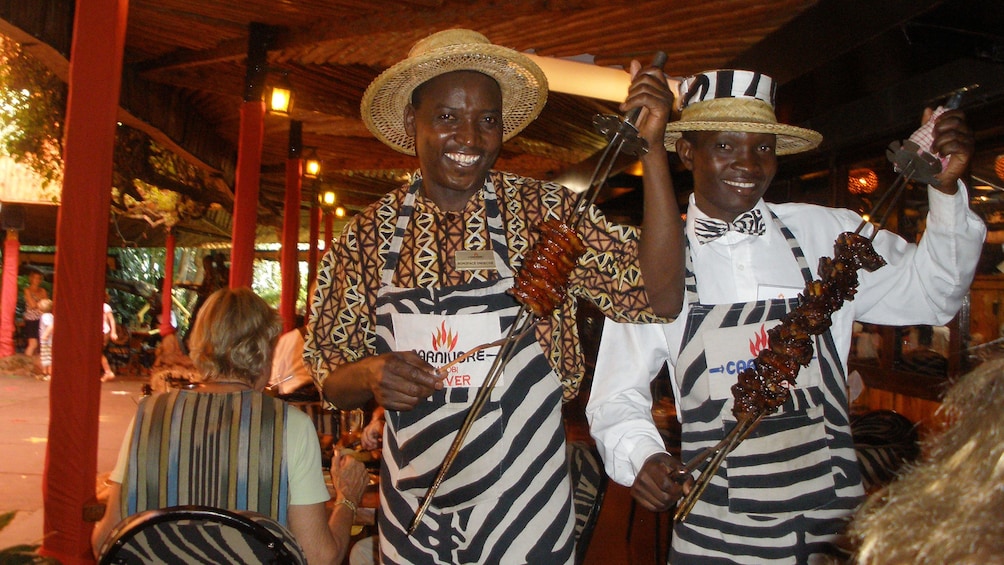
[{"x": 506, "y": 498}]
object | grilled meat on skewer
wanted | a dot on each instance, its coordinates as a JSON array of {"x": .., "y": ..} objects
[
  {"x": 542, "y": 281},
  {"x": 763, "y": 388}
]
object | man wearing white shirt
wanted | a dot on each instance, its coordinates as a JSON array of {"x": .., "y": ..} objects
[{"x": 785, "y": 493}]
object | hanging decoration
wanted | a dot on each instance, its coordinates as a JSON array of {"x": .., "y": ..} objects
[
  {"x": 862, "y": 181},
  {"x": 160, "y": 206}
]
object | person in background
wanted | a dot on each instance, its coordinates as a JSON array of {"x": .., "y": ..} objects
[
  {"x": 867, "y": 341},
  {"x": 45, "y": 337},
  {"x": 426, "y": 270},
  {"x": 215, "y": 275},
  {"x": 231, "y": 345},
  {"x": 784, "y": 495},
  {"x": 32, "y": 294},
  {"x": 947, "y": 507},
  {"x": 109, "y": 328},
  {"x": 291, "y": 379},
  {"x": 366, "y": 551},
  {"x": 372, "y": 437}
]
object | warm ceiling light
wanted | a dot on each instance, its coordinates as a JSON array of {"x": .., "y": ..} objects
[
  {"x": 326, "y": 199},
  {"x": 581, "y": 78},
  {"x": 999, "y": 166},
  {"x": 635, "y": 170},
  {"x": 340, "y": 212},
  {"x": 279, "y": 96},
  {"x": 862, "y": 181},
  {"x": 311, "y": 168}
]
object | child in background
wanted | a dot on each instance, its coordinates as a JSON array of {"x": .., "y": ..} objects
[
  {"x": 108, "y": 327},
  {"x": 45, "y": 337}
]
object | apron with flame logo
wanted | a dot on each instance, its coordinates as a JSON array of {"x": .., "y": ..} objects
[
  {"x": 787, "y": 488},
  {"x": 510, "y": 471}
]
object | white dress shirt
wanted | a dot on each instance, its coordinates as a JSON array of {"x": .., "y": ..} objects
[
  {"x": 288, "y": 369},
  {"x": 922, "y": 283}
]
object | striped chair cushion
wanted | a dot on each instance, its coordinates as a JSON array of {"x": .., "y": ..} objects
[
  {"x": 884, "y": 442},
  {"x": 589, "y": 484},
  {"x": 200, "y": 534}
]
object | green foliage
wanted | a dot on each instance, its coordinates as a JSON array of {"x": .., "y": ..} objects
[
  {"x": 137, "y": 264},
  {"x": 147, "y": 266},
  {"x": 32, "y": 111},
  {"x": 20, "y": 554},
  {"x": 266, "y": 282}
]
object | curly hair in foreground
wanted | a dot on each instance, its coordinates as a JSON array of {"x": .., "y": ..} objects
[{"x": 949, "y": 507}]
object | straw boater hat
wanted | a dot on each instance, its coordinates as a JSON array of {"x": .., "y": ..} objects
[
  {"x": 730, "y": 100},
  {"x": 524, "y": 86}
]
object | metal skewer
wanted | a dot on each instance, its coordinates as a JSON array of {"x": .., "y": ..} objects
[{"x": 623, "y": 137}]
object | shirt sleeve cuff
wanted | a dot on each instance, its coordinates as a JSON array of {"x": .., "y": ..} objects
[
  {"x": 947, "y": 210},
  {"x": 647, "y": 446}
]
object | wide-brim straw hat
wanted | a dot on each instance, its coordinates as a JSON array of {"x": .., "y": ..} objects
[
  {"x": 733, "y": 100},
  {"x": 523, "y": 84}
]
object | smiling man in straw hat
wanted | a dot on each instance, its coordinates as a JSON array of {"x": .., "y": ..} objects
[
  {"x": 784, "y": 495},
  {"x": 421, "y": 276}
]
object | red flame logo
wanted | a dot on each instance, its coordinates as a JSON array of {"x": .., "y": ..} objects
[
  {"x": 759, "y": 341},
  {"x": 444, "y": 339}
]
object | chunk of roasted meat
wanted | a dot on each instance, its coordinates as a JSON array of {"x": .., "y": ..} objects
[
  {"x": 856, "y": 249},
  {"x": 542, "y": 281},
  {"x": 763, "y": 388}
]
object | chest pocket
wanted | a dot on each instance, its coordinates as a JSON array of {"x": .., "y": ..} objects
[
  {"x": 420, "y": 438},
  {"x": 784, "y": 466}
]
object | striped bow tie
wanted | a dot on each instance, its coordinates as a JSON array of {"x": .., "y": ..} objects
[{"x": 750, "y": 222}]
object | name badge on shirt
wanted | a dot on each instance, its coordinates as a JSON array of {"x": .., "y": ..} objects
[
  {"x": 473, "y": 260},
  {"x": 772, "y": 291},
  {"x": 441, "y": 339}
]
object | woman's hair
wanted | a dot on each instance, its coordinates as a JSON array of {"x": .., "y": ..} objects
[
  {"x": 948, "y": 508},
  {"x": 234, "y": 335}
]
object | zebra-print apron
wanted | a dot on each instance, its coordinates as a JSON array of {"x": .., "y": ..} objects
[
  {"x": 785, "y": 493},
  {"x": 507, "y": 496}
]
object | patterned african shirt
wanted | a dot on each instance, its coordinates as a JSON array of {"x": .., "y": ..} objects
[{"x": 344, "y": 306}]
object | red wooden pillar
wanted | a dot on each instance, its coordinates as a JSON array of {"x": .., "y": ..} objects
[
  {"x": 95, "y": 78},
  {"x": 248, "y": 176},
  {"x": 8, "y": 294},
  {"x": 289, "y": 259},
  {"x": 166, "y": 327}
]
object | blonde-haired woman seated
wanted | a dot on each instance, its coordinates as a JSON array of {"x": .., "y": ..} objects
[{"x": 226, "y": 444}]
